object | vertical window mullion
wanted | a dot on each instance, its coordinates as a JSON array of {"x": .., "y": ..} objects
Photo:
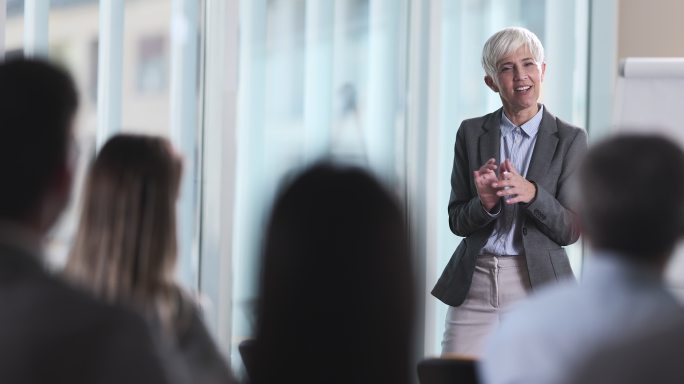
[
  {"x": 36, "y": 27},
  {"x": 110, "y": 69},
  {"x": 379, "y": 128},
  {"x": 183, "y": 120},
  {"x": 3, "y": 19},
  {"x": 250, "y": 169},
  {"x": 219, "y": 147},
  {"x": 318, "y": 90}
]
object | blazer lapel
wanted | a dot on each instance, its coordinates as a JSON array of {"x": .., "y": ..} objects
[
  {"x": 544, "y": 148},
  {"x": 490, "y": 141}
]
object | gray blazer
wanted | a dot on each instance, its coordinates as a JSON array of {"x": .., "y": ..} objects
[{"x": 548, "y": 223}]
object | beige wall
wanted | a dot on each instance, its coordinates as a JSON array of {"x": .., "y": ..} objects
[
  {"x": 650, "y": 28},
  {"x": 655, "y": 28}
]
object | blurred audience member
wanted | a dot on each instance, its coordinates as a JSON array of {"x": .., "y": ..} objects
[
  {"x": 125, "y": 250},
  {"x": 336, "y": 291},
  {"x": 632, "y": 211},
  {"x": 651, "y": 356},
  {"x": 49, "y": 332}
]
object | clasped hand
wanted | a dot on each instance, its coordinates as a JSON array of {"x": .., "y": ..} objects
[{"x": 509, "y": 184}]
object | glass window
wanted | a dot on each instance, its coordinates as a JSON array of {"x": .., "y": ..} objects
[
  {"x": 145, "y": 92},
  {"x": 464, "y": 26},
  {"x": 152, "y": 71},
  {"x": 317, "y": 78},
  {"x": 14, "y": 28},
  {"x": 92, "y": 70},
  {"x": 314, "y": 78},
  {"x": 72, "y": 28},
  {"x": 73, "y": 41}
]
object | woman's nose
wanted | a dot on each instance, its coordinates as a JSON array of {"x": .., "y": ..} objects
[{"x": 519, "y": 73}]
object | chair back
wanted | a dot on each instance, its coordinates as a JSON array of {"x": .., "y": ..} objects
[
  {"x": 447, "y": 371},
  {"x": 246, "y": 348}
]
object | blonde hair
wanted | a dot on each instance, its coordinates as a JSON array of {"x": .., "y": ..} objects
[
  {"x": 506, "y": 41},
  {"x": 125, "y": 248}
]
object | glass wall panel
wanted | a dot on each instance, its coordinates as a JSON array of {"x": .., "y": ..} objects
[
  {"x": 146, "y": 67},
  {"x": 465, "y": 25},
  {"x": 73, "y": 34},
  {"x": 72, "y": 40},
  {"x": 14, "y": 28},
  {"x": 316, "y": 78}
]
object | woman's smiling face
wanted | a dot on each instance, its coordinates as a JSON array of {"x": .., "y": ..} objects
[{"x": 518, "y": 81}]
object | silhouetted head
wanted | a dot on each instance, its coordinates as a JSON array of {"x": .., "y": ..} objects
[
  {"x": 632, "y": 196},
  {"x": 336, "y": 299},
  {"x": 125, "y": 246},
  {"x": 38, "y": 102}
]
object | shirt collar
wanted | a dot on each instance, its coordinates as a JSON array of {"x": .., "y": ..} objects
[{"x": 531, "y": 127}]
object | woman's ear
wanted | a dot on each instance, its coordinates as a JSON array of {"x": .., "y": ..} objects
[{"x": 491, "y": 84}]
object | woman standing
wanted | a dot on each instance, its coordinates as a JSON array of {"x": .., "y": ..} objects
[{"x": 510, "y": 196}]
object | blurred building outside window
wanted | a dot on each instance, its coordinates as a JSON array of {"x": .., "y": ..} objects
[
  {"x": 73, "y": 43},
  {"x": 152, "y": 71}
]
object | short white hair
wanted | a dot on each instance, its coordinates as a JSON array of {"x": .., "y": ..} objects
[{"x": 507, "y": 41}]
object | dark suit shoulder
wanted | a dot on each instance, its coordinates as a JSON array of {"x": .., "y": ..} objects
[
  {"x": 48, "y": 323},
  {"x": 67, "y": 301}
]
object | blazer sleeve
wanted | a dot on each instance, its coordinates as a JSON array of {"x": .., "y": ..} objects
[
  {"x": 466, "y": 213},
  {"x": 553, "y": 214}
]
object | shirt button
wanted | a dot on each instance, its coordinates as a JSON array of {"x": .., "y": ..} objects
[{"x": 524, "y": 231}]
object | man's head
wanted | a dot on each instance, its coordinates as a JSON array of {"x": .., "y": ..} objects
[
  {"x": 632, "y": 196},
  {"x": 38, "y": 102}
]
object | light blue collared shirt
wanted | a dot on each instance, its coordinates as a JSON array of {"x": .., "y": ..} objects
[
  {"x": 554, "y": 330},
  {"x": 517, "y": 144}
]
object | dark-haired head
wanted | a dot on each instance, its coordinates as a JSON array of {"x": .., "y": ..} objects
[
  {"x": 38, "y": 102},
  {"x": 632, "y": 196},
  {"x": 336, "y": 299}
]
